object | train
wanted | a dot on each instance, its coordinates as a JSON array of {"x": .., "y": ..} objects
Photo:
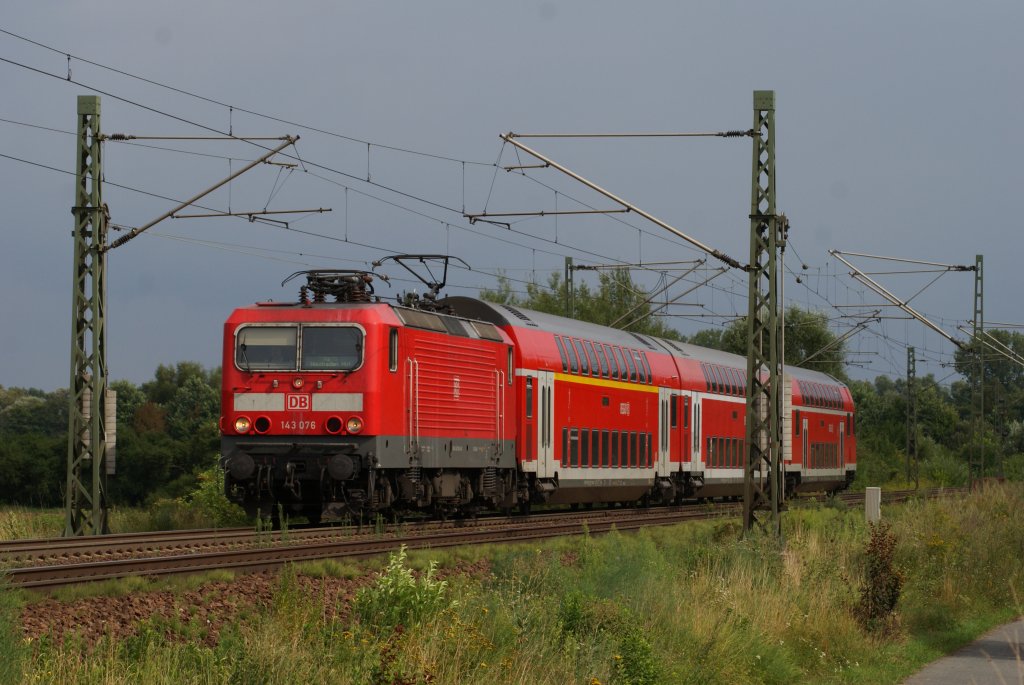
[{"x": 342, "y": 404}]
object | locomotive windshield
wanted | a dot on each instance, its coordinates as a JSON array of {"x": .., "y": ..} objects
[
  {"x": 331, "y": 348},
  {"x": 276, "y": 348},
  {"x": 266, "y": 348}
]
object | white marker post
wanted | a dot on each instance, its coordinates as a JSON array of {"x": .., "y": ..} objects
[{"x": 873, "y": 504}]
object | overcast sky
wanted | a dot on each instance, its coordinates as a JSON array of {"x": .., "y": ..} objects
[{"x": 897, "y": 134}]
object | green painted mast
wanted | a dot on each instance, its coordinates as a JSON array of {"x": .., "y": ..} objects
[
  {"x": 85, "y": 511},
  {"x": 976, "y": 467},
  {"x": 913, "y": 468},
  {"x": 763, "y": 479}
]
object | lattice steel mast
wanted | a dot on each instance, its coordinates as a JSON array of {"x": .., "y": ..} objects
[
  {"x": 763, "y": 478},
  {"x": 92, "y": 420},
  {"x": 85, "y": 510},
  {"x": 913, "y": 467},
  {"x": 977, "y": 459}
]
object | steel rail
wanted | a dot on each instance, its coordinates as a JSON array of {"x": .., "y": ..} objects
[
  {"x": 516, "y": 529},
  {"x": 258, "y": 559},
  {"x": 39, "y": 550}
]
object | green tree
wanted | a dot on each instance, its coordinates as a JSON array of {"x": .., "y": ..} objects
[
  {"x": 617, "y": 300},
  {"x": 193, "y": 405},
  {"x": 1004, "y": 395},
  {"x": 809, "y": 342},
  {"x": 168, "y": 379}
]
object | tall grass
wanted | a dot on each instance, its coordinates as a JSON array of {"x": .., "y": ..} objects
[{"x": 687, "y": 604}]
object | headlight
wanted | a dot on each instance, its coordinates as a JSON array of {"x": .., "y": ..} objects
[
  {"x": 297, "y": 383},
  {"x": 242, "y": 424},
  {"x": 354, "y": 425}
]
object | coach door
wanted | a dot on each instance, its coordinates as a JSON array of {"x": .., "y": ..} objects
[
  {"x": 545, "y": 424},
  {"x": 684, "y": 420},
  {"x": 842, "y": 445},
  {"x": 806, "y": 444},
  {"x": 666, "y": 426}
]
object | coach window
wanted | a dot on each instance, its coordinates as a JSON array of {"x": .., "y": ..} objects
[
  {"x": 615, "y": 449},
  {"x": 642, "y": 451},
  {"x": 529, "y": 397},
  {"x": 592, "y": 356},
  {"x": 796, "y": 418},
  {"x": 716, "y": 381},
  {"x": 584, "y": 364},
  {"x": 565, "y": 446},
  {"x": 628, "y": 354},
  {"x": 641, "y": 374},
  {"x": 574, "y": 447},
  {"x": 602, "y": 360},
  {"x": 647, "y": 367},
  {"x": 585, "y": 447},
  {"x": 573, "y": 363},
  {"x": 611, "y": 362},
  {"x": 393, "y": 350},
  {"x": 605, "y": 454},
  {"x": 266, "y": 348},
  {"x": 686, "y": 412},
  {"x": 561, "y": 353},
  {"x": 331, "y": 348},
  {"x": 707, "y": 376},
  {"x": 673, "y": 408}
]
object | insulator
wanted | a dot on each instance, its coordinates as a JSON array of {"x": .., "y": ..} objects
[{"x": 303, "y": 295}]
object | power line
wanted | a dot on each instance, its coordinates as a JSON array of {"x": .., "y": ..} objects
[{"x": 232, "y": 108}]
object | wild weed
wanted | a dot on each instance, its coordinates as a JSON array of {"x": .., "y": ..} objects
[{"x": 398, "y": 598}]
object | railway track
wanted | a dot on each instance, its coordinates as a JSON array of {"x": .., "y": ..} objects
[{"x": 48, "y": 564}]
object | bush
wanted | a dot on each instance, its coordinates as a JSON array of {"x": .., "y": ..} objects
[
  {"x": 883, "y": 581},
  {"x": 209, "y": 499},
  {"x": 398, "y": 597},
  {"x": 943, "y": 468}
]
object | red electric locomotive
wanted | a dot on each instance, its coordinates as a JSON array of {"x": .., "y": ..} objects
[{"x": 456, "y": 405}]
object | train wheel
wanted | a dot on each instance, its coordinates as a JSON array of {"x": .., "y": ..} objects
[{"x": 524, "y": 508}]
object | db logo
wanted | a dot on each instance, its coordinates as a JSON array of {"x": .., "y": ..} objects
[{"x": 294, "y": 402}]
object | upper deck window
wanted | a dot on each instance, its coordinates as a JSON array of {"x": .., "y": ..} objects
[
  {"x": 584, "y": 363},
  {"x": 594, "y": 368},
  {"x": 331, "y": 348},
  {"x": 573, "y": 362},
  {"x": 266, "y": 348},
  {"x": 561, "y": 353},
  {"x": 611, "y": 361},
  {"x": 602, "y": 360}
]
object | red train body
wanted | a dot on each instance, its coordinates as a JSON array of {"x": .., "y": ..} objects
[{"x": 353, "y": 407}]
